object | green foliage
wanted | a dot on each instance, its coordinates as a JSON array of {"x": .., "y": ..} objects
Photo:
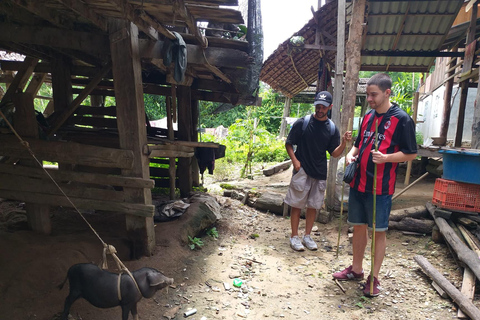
[
  {"x": 195, "y": 243},
  {"x": 404, "y": 84},
  {"x": 419, "y": 138},
  {"x": 44, "y": 91},
  {"x": 155, "y": 106},
  {"x": 211, "y": 117},
  {"x": 212, "y": 232}
]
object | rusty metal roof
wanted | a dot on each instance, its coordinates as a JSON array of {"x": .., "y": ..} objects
[{"x": 401, "y": 36}]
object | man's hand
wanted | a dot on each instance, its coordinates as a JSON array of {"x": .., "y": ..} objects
[
  {"x": 378, "y": 157},
  {"x": 349, "y": 158},
  {"x": 296, "y": 165},
  {"x": 347, "y": 136}
]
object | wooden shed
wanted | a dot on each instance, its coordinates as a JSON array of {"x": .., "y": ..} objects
[{"x": 119, "y": 48}]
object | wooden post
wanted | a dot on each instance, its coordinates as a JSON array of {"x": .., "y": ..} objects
[
  {"x": 127, "y": 75},
  {"x": 415, "y": 111},
  {"x": 195, "y": 168},
  {"x": 476, "y": 121},
  {"x": 286, "y": 113},
  {"x": 337, "y": 99},
  {"x": 353, "y": 56},
  {"x": 464, "y": 84},
  {"x": 447, "y": 98},
  {"x": 61, "y": 83},
  {"x": 97, "y": 101},
  {"x": 461, "y": 113},
  {"x": 25, "y": 124},
  {"x": 172, "y": 170},
  {"x": 184, "y": 134}
]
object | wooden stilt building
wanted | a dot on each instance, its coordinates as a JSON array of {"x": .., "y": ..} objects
[{"x": 116, "y": 48}]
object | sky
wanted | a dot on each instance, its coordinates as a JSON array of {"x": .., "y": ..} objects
[{"x": 281, "y": 19}]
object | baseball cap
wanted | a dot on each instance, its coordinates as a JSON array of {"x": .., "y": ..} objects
[{"x": 324, "y": 98}]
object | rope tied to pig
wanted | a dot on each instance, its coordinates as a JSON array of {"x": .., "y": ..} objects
[{"x": 107, "y": 249}]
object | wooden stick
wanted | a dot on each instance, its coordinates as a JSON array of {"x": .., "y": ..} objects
[
  {"x": 449, "y": 288},
  {"x": 343, "y": 188},
  {"x": 340, "y": 286},
  {"x": 409, "y": 186},
  {"x": 464, "y": 253},
  {"x": 372, "y": 277}
]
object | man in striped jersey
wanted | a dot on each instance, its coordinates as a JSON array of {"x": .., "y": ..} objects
[{"x": 396, "y": 143}]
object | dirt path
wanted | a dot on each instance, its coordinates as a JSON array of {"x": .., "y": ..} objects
[{"x": 253, "y": 246}]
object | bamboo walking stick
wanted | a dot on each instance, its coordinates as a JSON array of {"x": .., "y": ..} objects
[
  {"x": 374, "y": 211},
  {"x": 343, "y": 188}
]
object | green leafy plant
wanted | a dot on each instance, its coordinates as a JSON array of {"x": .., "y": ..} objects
[
  {"x": 195, "y": 243},
  {"x": 212, "y": 232}
]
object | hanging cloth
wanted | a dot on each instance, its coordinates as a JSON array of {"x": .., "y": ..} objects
[{"x": 176, "y": 51}]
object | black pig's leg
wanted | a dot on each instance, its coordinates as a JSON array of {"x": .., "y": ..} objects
[
  {"x": 68, "y": 303},
  {"x": 125, "y": 311},
  {"x": 134, "y": 312}
]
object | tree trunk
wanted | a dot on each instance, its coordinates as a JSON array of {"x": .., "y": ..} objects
[
  {"x": 413, "y": 212},
  {"x": 415, "y": 225}
]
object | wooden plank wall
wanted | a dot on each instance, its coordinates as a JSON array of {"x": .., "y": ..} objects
[{"x": 87, "y": 190}]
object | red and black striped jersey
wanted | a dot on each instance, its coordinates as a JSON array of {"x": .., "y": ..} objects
[{"x": 395, "y": 133}]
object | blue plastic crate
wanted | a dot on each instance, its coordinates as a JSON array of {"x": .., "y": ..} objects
[{"x": 461, "y": 165}]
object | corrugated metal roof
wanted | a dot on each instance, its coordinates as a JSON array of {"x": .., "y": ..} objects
[
  {"x": 400, "y": 27},
  {"x": 400, "y": 36}
]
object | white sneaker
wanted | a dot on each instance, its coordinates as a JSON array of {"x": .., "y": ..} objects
[
  {"x": 296, "y": 244},
  {"x": 309, "y": 243}
]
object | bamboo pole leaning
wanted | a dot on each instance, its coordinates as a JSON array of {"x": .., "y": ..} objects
[
  {"x": 372, "y": 277},
  {"x": 343, "y": 188}
]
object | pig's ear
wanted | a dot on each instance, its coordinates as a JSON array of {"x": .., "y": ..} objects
[{"x": 155, "y": 279}]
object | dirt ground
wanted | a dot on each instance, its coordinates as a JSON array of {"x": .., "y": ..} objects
[{"x": 253, "y": 246}]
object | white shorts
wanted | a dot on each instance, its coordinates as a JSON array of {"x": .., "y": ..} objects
[{"x": 305, "y": 191}]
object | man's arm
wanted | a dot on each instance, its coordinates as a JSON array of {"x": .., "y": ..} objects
[
  {"x": 291, "y": 154},
  {"x": 398, "y": 156},
  {"x": 347, "y": 136},
  {"x": 352, "y": 154}
]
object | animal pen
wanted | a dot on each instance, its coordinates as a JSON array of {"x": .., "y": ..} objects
[{"x": 122, "y": 49}]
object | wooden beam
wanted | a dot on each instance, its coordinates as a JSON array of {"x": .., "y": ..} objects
[
  {"x": 68, "y": 152},
  {"x": 127, "y": 75},
  {"x": 36, "y": 83},
  {"x": 85, "y": 11},
  {"x": 91, "y": 43},
  {"x": 156, "y": 25},
  {"x": 219, "y": 57},
  {"x": 131, "y": 209},
  {"x": 25, "y": 124},
  {"x": 180, "y": 9},
  {"x": 157, "y": 143},
  {"x": 37, "y": 8},
  {"x": 74, "y": 176},
  {"x": 337, "y": 99},
  {"x": 47, "y": 186},
  {"x": 79, "y": 99},
  {"x": 319, "y": 47},
  {"x": 129, "y": 12},
  {"x": 21, "y": 78},
  {"x": 412, "y": 53},
  {"x": 61, "y": 83},
  {"x": 184, "y": 134}
]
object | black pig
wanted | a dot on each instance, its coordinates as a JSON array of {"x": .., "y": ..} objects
[{"x": 100, "y": 287}]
